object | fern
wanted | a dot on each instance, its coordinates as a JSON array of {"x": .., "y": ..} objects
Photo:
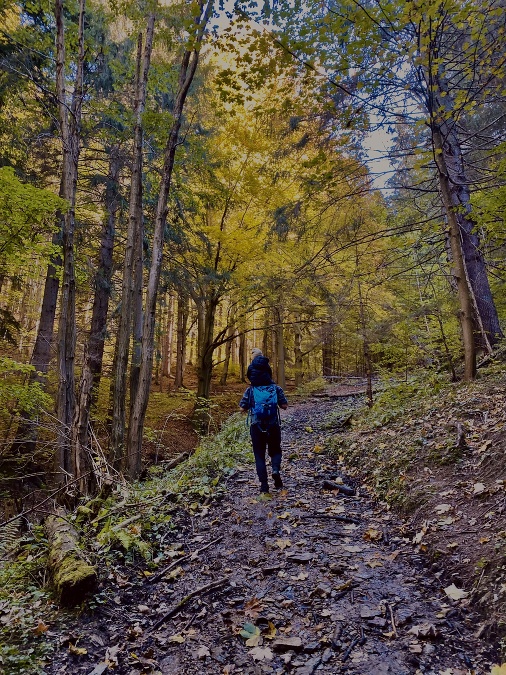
[{"x": 9, "y": 538}]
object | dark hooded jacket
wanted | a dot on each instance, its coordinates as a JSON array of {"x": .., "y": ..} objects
[{"x": 259, "y": 372}]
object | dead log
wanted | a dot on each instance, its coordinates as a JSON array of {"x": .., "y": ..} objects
[{"x": 72, "y": 576}]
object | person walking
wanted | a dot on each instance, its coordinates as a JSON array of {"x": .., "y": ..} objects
[{"x": 262, "y": 403}]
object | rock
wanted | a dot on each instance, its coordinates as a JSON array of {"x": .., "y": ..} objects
[
  {"x": 340, "y": 487},
  {"x": 378, "y": 622},
  {"x": 309, "y": 667},
  {"x": 403, "y": 616},
  {"x": 312, "y": 647},
  {"x": 300, "y": 558},
  {"x": 338, "y": 568},
  {"x": 285, "y": 644},
  {"x": 369, "y": 612}
]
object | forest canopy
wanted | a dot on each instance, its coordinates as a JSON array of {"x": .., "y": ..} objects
[{"x": 180, "y": 183}]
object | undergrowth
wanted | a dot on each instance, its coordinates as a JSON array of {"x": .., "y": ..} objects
[
  {"x": 26, "y": 607},
  {"x": 131, "y": 526},
  {"x": 381, "y": 455}
]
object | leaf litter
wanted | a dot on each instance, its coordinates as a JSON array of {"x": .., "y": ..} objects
[{"x": 361, "y": 599}]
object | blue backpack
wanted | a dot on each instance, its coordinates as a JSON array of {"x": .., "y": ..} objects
[{"x": 264, "y": 408}]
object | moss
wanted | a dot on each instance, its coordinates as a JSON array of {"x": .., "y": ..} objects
[{"x": 73, "y": 579}]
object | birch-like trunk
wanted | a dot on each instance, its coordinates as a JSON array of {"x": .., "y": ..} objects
[
  {"x": 182, "y": 324},
  {"x": 187, "y": 71}
]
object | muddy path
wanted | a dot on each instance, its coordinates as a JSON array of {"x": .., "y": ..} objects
[{"x": 317, "y": 582}]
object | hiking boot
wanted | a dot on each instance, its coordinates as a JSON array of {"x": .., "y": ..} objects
[{"x": 278, "y": 483}]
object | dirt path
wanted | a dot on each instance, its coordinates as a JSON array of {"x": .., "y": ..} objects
[{"x": 311, "y": 593}]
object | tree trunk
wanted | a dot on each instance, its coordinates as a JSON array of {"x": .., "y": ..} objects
[
  {"x": 94, "y": 350},
  {"x": 168, "y": 339},
  {"x": 299, "y": 365},
  {"x": 447, "y": 142},
  {"x": 206, "y": 322},
  {"x": 228, "y": 354},
  {"x": 243, "y": 357},
  {"x": 70, "y": 128},
  {"x": 182, "y": 323},
  {"x": 459, "y": 272},
  {"x": 280, "y": 343},
  {"x": 327, "y": 350},
  {"x": 138, "y": 412},
  {"x": 134, "y": 224}
]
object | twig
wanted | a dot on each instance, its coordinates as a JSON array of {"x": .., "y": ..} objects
[
  {"x": 199, "y": 591},
  {"x": 342, "y": 519},
  {"x": 188, "y": 556},
  {"x": 392, "y": 621},
  {"x": 349, "y": 649}
]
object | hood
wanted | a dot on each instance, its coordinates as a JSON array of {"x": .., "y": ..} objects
[{"x": 260, "y": 362}]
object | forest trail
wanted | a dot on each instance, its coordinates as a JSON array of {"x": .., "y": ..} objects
[{"x": 310, "y": 593}]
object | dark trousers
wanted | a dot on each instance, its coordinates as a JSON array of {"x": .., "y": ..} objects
[{"x": 269, "y": 440}]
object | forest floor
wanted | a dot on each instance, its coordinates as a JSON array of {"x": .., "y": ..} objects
[{"x": 310, "y": 582}]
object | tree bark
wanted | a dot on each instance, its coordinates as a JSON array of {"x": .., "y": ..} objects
[
  {"x": 94, "y": 350},
  {"x": 228, "y": 351},
  {"x": 280, "y": 342},
  {"x": 134, "y": 223},
  {"x": 206, "y": 321},
  {"x": 459, "y": 272},
  {"x": 187, "y": 71},
  {"x": 168, "y": 338},
  {"x": 182, "y": 323},
  {"x": 446, "y": 141},
  {"x": 70, "y": 128},
  {"x": 299, "y": 365}
]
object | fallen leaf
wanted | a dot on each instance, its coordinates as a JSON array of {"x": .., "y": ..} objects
[
  {"x": 302, "y": 576},
  {"x": 372, "y": 534},
  {"x": 308, "y": 429},
  {"x": 173, "y": 574},
  {"x": 203, "y": 652},
  {"x": 374, "y": 563},
  {"x": 284, "y": 515},
  {"x": 484, "y": 540},
  {"x": 452, "y": 545},
  {"x": 176, "y": 638},
  {"x": 391, "y": 634},
  {"x": 478, "y": 489},
  {"x": 446, "y": 521},
  {"x": 498, "y": 670},
  {"x": 393, "y": 556},
  {"x": 262, "y": 654},
  {"x": 41, "y": 628},
  {"x": 271, "y": 631},
  {"x": 442, "y": 508},
  {"x": 417, "y": 539},
  {"x": 318, "y": 449},
  {"x": 251, "y": 634},
  {"x": 252, "y": 607},
  {"x": 78, "y": 651},
  {"x": 353, "y": 549},
  {"x": 228, "y": 669},
  {"x": 455, "y": 593}
]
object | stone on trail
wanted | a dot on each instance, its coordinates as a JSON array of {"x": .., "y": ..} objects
[
  {"x": 301, "y": 558},
  {"x": 286, "y": 644}
]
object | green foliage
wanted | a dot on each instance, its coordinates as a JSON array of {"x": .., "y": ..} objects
[
  {"x": 26, "y": 609},
  {"x": 396, "y": 398},
  {"x": 27, "y": 219},
  {"x": 16, "y": 394},
  {"x": 311, "y": 387}
]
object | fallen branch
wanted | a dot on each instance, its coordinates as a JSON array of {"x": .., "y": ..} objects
[
  {"x": 341, "y": 519},
  {"x": 199, "y": 591},
  {"x": 188, "y": 556},
  {"x": 172, "y": 463},
  {"x": 344, "y": 489}
]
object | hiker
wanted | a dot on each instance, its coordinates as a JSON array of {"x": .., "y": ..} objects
[
  {"x": 262, "y": 403},
  {"x": 259, "y": 371}
]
